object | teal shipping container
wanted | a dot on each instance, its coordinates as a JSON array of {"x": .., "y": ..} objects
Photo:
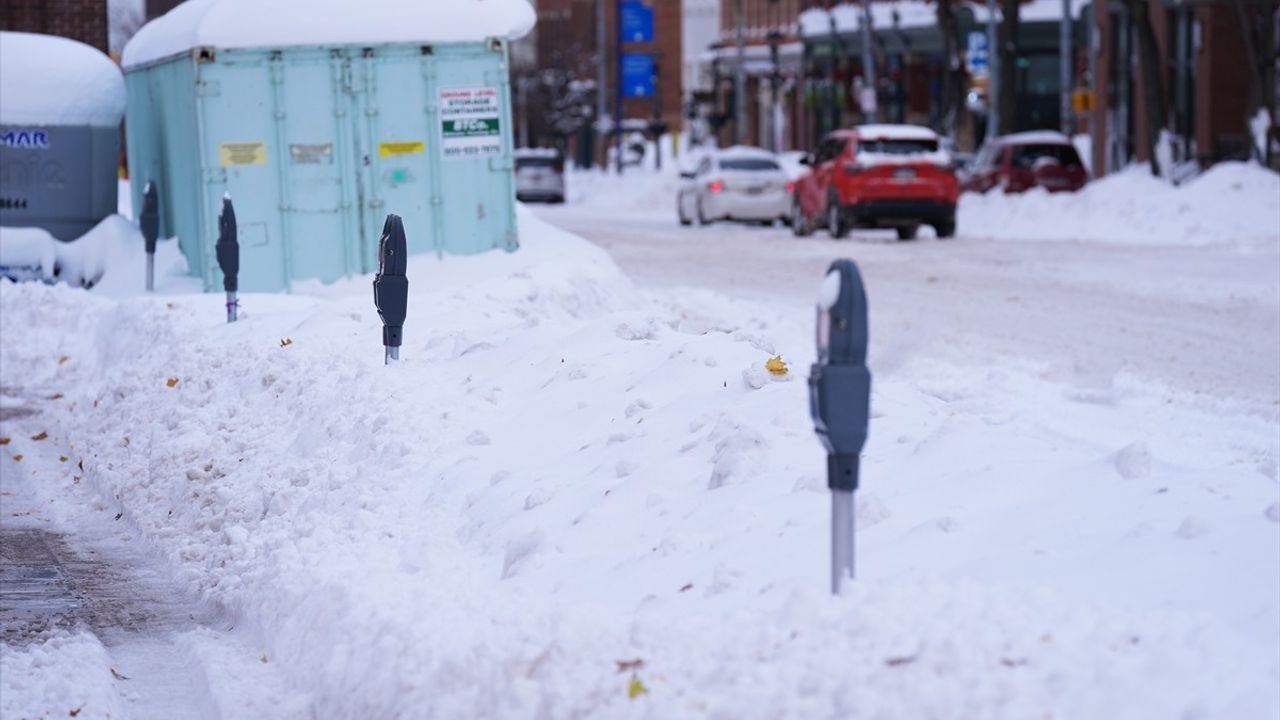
[{"x": 320, "y": 117}]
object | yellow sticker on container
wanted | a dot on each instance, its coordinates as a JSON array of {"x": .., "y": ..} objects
[
  {"x": 246, "y": 153},
  {"x": 392, "y": 149}
]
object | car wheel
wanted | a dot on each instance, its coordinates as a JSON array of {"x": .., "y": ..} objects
[
  {"x": 684, "y": 221},
  {"x": 702, "y": 216},
  {"x": 800, "y": 226},
  {"x": 907, "y": 232},
  {"x": 945, "y": 229},
  {"x": 835, "y": 221}
]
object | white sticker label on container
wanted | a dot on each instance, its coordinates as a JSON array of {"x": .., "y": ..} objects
[{"x": 469, "y": 122}]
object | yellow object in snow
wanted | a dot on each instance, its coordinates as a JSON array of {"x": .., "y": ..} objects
[
  {"x": 636, "y": 688},
  {"x": 775, "y": 365}
]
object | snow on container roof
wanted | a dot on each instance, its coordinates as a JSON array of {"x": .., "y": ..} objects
[
  {"x": 47, "y": 80},
  {"x": 896, "y": 132},
  {"x": 285, "y": 23}
]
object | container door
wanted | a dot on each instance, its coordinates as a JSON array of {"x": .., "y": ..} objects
[
  {"x": 395, "y": 145},
  {"x": 241, "y": 157},
  {"x": 311, "y": 116},
  {"x": 473, "y": 113}
]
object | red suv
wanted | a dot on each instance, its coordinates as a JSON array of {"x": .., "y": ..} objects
[
  {"x": 1019, "y": 162},
  {"x": 877, "y": 176}
]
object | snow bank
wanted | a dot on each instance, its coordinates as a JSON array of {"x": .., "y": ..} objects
[
  {"x": 51, "y": 80},
  {"x": 111, "y": 258},
  {"x": 1231, "y": 203},
  {"x": 283, "y": 23},
  {"x": 62, "y": 676},
  {"x": 574, "y": 499}
]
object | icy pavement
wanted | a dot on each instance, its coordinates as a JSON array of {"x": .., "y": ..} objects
[{"x": 92, "y": 625}]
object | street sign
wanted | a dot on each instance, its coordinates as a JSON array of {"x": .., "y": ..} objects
[
  {"x": 637, "y": 21},
  {"x": 1082, "y": 100},
  {"x": 977, "y": 54},
  {"x": 637, "y": 75}
]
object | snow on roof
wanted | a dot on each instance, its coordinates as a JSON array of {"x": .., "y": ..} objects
[
  {"x": 896, "y": 132},
  {"x": 917, "y": 13},
  {"x": 1036, "y": 136},
  {"x": 47, "y": 80},
  {"x": 284, "y": 23}
]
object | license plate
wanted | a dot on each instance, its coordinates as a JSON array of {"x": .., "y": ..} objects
[
  {"x": 755, "y": 189},
  {"x": 904, "y": 174}
]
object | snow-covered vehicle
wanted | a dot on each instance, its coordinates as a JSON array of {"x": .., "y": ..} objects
[
  {"x": 878, "y": 176},
  {"x": 1021, "y": 161},
  {"x": 539, "y": 175},
  {"x": 738, "y": 183}
]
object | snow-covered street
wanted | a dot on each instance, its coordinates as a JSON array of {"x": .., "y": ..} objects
[{"x": 582, "y": 495}]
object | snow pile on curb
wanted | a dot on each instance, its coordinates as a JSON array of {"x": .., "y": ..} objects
[
  {"x": 1232, "y": 203},
  {"x": 572, "y": 499},
  {"x": 64, "y": 673}
]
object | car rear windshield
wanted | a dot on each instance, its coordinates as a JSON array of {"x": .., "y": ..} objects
[
  {"x": 1028, "y": 155},
  {"x": 535, "y": 162},
  {"x": 897, "y": 147},
  {"x": 749, "y": 164}
]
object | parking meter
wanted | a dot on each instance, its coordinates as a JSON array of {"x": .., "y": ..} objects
[
  {"x": 391, "y": 287},
  {"x": 228, "y": 251},
  {"x": 149, "y": 224},
  {"x": 840, "y": 400}
]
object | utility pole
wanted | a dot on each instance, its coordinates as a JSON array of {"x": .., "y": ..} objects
[
  {"x": 602, "y": 81},
  {"x": 740, "y": 77},
  {"x": 868, "y": 65},
  {"x": 1064, "y": 69},
  {"x": 993, "y": 75}
]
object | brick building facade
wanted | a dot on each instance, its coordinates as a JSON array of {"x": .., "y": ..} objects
[{"x": 83, "y": 20}]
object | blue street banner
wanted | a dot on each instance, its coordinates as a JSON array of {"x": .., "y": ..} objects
[
  {"x": 637, "y": 21},
  {"x": 637, "y": 75}
]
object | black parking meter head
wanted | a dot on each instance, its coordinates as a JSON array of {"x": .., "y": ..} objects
[
  {"x": 228, "y": 246},
  {"x": 149, "y": 218},
  {"x": 390, "y": 286},
  {"x": 840, "y": 383}
]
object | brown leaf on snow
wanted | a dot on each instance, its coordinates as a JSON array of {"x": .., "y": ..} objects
[
  {"x": 117, "y": 675},
  {"x": 263, "y": 658},
  {"x": 687, "y": 586},
  {"x": 171, "y": 382},
  {"x": 63, "y": 361},
  {"x": 56, "y": 396},
  {"x": 75, "y": 712},
  {"x": 629, "y": 665},
  {"x": 62, "y": 458},
  {"x": 286, "y": 342},
  {"x": 41, "y": 436},
  {"x": 17, "y": 458},
  {"x": 1013, "y": 662},
  {"x": 897, "y": 661},
  {"x": 4, "y": 441}
]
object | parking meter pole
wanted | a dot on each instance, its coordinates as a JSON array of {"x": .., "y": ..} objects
[
  {"x": 149, "y": 224},
  {"x": 227, "y": 250},
  {"x": 840, "y": 402},
  {"x": 841, "y": 539},
  {"x": 391, "y": 287}
]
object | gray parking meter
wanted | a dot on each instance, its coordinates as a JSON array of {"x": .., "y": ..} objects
[
  {"x": 840, "y": 400},
  {"x": 391, "y": 287},
  {"x": 149, "y": 224},
  {"x": 228, "y": 251}
]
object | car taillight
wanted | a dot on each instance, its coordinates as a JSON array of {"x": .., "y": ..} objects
[
  {"x": 716, "y": 186},
  {"x": 791, "y": 187},
  {"x": 853, "y": 169}
]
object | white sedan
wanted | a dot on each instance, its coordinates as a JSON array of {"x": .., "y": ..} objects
[{"x": 739, "y": 183}]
